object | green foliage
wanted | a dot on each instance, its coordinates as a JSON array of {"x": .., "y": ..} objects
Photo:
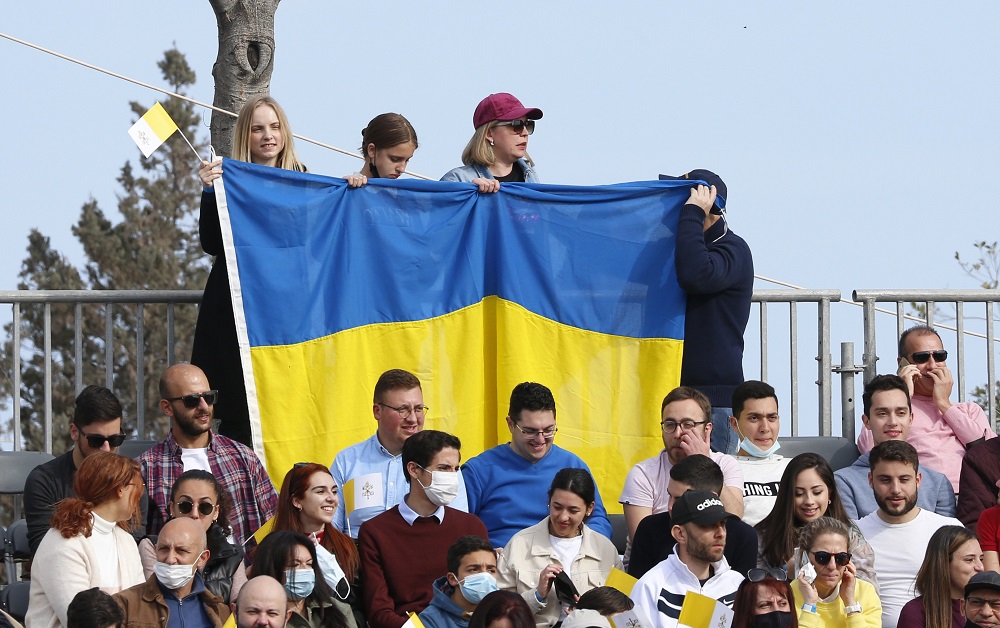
[{"x": 152, "y": 244}]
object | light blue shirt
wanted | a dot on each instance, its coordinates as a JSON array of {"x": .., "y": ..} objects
[{"x": 369, "y": 456}]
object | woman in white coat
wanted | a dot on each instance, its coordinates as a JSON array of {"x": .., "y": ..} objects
[
  {"x": 89, "y": 544},
  {"x": 560, "y": 543}
]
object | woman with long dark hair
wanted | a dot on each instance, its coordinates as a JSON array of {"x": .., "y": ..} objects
[
  {"x": 198, "y": 495},
  {"x": 290, "y": 558},
  {"x": 502, "y": 609},
  {"x": 89, "y": 544},
  {"x": 806, "y": 492},
  {"x": 306, "y": 504},
  {"x": 953, "y": 556}
]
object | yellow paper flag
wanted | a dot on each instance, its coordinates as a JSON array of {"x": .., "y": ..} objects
[
  {"x": 230, "y": 623},
  {"x": 701, "y": 611},
  {"x": 413, "y": 622},
  {"x": 264, "y": 530},
  {"x": 621, "y": 581},
  {"x": 152, "y": 129}
]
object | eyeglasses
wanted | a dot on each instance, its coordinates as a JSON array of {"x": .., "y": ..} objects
[
  {"x": 405, "y": 411},
  {"x": 204, "y": 508},
  {"x": 519, "y": 125},
  {"x": 919, "y": 357},
  {"x": 96, "y": 441},
  {"x": 823, "y": 558},
  {"x": 194, "y": 400},
  {"x": 977, "y": 603},
  {"x": 548, "y": 433},
  {"x": 756, "y": 575},
  {"x": 669, "y": 427}
]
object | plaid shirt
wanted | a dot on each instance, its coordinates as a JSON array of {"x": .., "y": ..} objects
[{"x": 235, "y": 466}]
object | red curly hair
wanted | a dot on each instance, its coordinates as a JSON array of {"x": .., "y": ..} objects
[
  {"x": 97, "y": 481},
  {"x": 295, "y": 485}
]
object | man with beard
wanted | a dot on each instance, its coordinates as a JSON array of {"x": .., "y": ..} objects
[
  {"x": 188, "y": 401},
  {"x": 697, "y": 563},
  {"x": 898, "y": 524},
  {"x": 981, "y": 605}
]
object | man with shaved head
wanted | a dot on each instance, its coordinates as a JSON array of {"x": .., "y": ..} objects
[
  {"x": 189, "y": 402},
  {"x": 176, "y": 590},
  {"x": 262, "y": 603}
]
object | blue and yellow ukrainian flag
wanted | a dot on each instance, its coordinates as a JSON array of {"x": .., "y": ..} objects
[{"x": 572, "y": 287}]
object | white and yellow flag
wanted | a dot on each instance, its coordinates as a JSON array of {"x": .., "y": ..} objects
[
  {"x": 701, "y": 611},
  {"x": 152, "y": 129}
]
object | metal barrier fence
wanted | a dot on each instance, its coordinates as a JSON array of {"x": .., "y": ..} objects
[{"x": 757, "y": 340}]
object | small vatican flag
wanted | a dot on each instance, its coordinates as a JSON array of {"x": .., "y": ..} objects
[{"x": 152, "y": 129}]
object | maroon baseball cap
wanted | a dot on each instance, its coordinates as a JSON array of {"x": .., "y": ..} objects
[{"x": 502, "y": 106}]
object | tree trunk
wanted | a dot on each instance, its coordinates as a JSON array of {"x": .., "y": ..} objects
[{"x": 242, "y": 70}]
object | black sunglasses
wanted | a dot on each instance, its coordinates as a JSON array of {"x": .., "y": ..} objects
[
  {"x": 96, "y": 441},
  {"x": 193, "y": 401},
  {"x": 204, "y": 508},
  {"x": 756, "y": 575},
  {"x": 919, "y": 357},
  {"x": 519, "y": 125},
  {"x": 822, "y": 558}
]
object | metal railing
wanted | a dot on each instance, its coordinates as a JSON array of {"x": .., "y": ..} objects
[
  {"x": 77, "y": 298},
  {"x": 764, "y": 302}
]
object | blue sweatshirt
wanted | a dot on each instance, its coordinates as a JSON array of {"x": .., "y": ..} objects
[{"x": 443, "y": 612}]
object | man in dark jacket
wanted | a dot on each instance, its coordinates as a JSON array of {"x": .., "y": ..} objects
[{"x": 715, "y": 269}]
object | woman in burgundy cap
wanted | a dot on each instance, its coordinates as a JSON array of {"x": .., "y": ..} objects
[{"x": 498, "y": 150}]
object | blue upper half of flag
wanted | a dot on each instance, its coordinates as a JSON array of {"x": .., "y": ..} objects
[{"x": 316, "y": 257}]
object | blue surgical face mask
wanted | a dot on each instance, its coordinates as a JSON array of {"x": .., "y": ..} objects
[
  {"x": 299, "y": 583},
  {"x": 748, "y": 446},
  {"x": 477, "y": 586}
]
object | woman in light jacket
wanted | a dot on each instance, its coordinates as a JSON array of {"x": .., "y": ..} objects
[
  {"x": 559, "y": 543},
  {"x": 89, "y": 544}
]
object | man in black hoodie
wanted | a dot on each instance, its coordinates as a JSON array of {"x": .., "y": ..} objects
[{"x": 715, "y": 269}]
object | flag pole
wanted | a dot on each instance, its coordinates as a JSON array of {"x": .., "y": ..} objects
[{"x": 189, "y": 144}]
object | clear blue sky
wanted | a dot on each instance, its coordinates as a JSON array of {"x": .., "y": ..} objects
[{"x": 858, "y": 140}]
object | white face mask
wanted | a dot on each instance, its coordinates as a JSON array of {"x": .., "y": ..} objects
[
  {"x": 444, "y": 487},
  {"x": 173, "y": 576},
  {"x": 753, "y": 450}
]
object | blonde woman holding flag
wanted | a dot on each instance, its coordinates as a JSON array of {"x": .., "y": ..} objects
[{"x": 262, "y": 136}]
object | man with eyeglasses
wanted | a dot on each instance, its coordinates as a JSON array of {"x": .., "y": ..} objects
[
  {"x": 981, "y": 604},
  {"x": 686, "y": 426},
  {"x": 372, "y": 470},
  {"x": 188, "y": 400},
  {"x": 941, "y": 431},
  {"x": 887, "y": 414},
  {"x": 697, "y": 563},
  {"x": 96, "y": 426},
  {"x": 899, "y": 530},
  {"x": 507, "y": 484}
]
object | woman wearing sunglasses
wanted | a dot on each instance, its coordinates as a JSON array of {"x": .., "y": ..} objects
[
  {"x": 306, "y": 504},
  {"x": 827, "y": 589},
  {"x": 89, "y": 544},
  {"x": 764, "y": 600},
  {"x": 806, "y": 492},
  {"x": 953, "y": 556},
  {"x": 498, "y": 150},
  {"x": 198, "y": 495},
  {"x": 387, "y": 144}
]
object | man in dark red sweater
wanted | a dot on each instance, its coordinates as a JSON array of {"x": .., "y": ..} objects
[{"x": 405, "y": 548}]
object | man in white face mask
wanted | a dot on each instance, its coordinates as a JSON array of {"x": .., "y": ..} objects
[
  {"x": 403, "y": 549},
  {"x": 176, "y": 590},
  {"x": 756, "y": 423}
]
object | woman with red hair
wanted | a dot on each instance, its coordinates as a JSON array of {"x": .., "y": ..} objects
[
  {"x": 89, "y": 544},
  {"x": 306, "y": 504}
]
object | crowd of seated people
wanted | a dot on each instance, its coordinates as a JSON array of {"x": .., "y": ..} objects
[{"x": 517, "y": 534}]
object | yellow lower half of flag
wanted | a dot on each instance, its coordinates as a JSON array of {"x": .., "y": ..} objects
[{"x": 315, "y": 397}]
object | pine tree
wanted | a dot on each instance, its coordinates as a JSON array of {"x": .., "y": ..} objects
[{"x": 154, "y": 247}]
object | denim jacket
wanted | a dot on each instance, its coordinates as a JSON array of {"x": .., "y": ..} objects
[{"x": 479, "y": 171}]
